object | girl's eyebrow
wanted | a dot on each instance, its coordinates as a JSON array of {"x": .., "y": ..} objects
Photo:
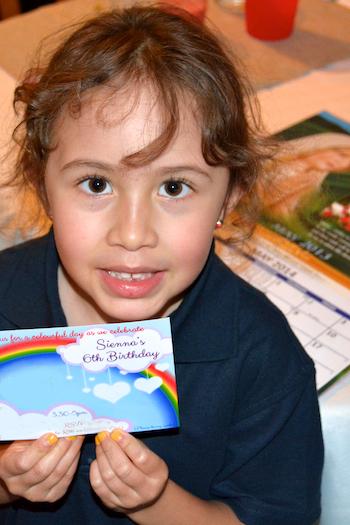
[
  {"x": 108, "y": 167},
  {"x": 77, "y": 163},
  {"x": 186, "y": 168}
]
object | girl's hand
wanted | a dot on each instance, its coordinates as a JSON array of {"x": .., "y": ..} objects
[
  {"x": 40, "y": 470},
  {"x": 126, "y": 475}
]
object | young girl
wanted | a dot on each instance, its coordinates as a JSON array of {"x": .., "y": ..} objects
[{"x": 137, "y": 142}]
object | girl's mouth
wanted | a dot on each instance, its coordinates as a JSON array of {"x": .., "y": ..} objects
[{"x": 130, "y": 285}]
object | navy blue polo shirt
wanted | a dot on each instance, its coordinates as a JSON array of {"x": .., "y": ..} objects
[{"x": 250, "y": 432}]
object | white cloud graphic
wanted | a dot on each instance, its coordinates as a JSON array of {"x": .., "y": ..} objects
[
  {"x": 98, "y": 349},
  {"x": 63, "y": 420}
]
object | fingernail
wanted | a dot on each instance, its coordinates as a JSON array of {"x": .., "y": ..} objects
[
  {"x": 117, "y": 434},
  {"x": 51, "y": 439},
  {"x": 71, "y": 438},
  {"x": 100, "y": 437}
]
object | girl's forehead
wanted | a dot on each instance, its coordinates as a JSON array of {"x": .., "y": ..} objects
[
  {"x": 107, "y": 107},
  {"x": 111, "y": 106},
  {"x": 117, "y": 124}
]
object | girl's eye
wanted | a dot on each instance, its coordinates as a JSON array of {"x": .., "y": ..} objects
[
  {"x": 96, "y": 185},
  {"x": 177, "y": 189}
]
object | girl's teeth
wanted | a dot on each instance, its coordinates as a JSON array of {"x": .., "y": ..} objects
[
  {"x": 141, "y": 276},
  {"x": 123, "y": 276}
]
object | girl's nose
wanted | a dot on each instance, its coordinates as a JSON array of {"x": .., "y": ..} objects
[{"x": 133, "y": 226}]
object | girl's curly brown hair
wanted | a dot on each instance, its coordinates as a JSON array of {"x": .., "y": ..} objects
[{"x": 169, "y": 50}]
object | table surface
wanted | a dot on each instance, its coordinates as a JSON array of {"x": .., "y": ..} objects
[{"x": 321, "y": 36}]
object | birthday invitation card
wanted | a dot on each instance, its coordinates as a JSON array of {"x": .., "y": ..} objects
[{"x": 81, "y": 380}]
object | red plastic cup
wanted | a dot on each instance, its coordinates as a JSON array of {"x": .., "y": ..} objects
[
  {"x": 270, "y": 19},
  {"x": 197, "y": 8}
]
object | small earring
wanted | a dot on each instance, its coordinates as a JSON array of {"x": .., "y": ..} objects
[{"x": 218, "y": 224}]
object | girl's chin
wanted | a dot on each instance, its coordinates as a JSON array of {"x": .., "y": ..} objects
[{"x": 124, "y": 310}]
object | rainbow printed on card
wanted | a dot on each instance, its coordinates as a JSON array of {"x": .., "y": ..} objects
[
  {"x": 22, "y": 349},
  {"x": 54, "y": 382}
]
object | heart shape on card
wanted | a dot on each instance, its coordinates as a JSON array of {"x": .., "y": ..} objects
[
  {"x": 112, "y": 393},
  {"x": 148, "y": 385}
]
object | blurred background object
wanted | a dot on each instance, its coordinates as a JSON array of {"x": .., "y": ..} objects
[
  {"x": 9, "y": 8},
  {"x": 15, "y": 7},
  {"x": 28, "y": 5},
  {"x": 232, "y": 5},
  {"x": 270, "y": 19},
  {"x": 197, "y": 8}
]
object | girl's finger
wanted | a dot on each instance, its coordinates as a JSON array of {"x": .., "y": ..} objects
[
  {"x": 52, "y": 488},
  {"x": 116, "y": 468},
  {"x": 139, "y": 454},
  {"x": 109, "y": 498},
  {"x": 66, "y": 466},
  {"x": 21, "y": 456},
  {"x": 62, "y": 449},
  {"x": 134, "y": 464}
]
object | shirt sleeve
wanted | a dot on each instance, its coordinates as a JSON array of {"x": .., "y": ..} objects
[{"x": 273, "y": 464}]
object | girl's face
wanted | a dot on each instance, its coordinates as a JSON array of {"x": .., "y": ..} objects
[{"x": 130, "y": 240}]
